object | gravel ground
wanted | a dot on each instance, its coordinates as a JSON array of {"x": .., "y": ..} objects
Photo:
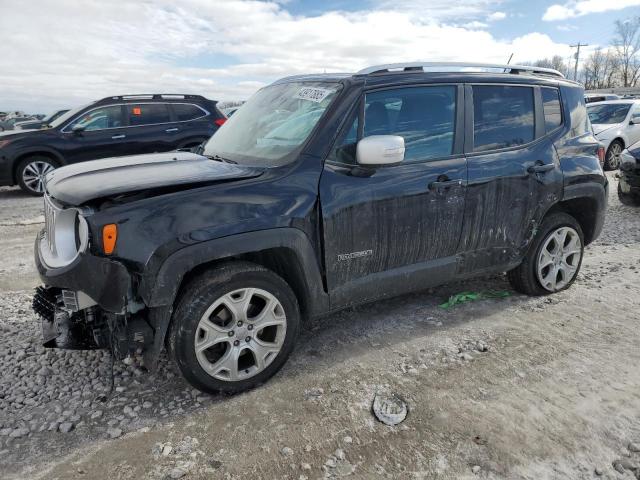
[{"x": 505, "y": 388}]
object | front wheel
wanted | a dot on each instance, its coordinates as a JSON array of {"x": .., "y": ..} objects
[
  {"x": 554, "y": 257},
  {"x": 612, "y": 159},
  {"x": 628, "y": 198},
  {"x": 233, "y": 328},
  {"x": 31, "y": 172}
]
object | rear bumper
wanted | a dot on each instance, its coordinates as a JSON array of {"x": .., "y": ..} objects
[{"x": 107, "y": 282}]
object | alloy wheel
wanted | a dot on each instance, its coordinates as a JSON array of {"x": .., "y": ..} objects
[
  {"x": 559, "y": 259},
  {"x": 240, "y": 334},
  {"x": 33, "y": 175},
  {"x": 613, "y": 158}
]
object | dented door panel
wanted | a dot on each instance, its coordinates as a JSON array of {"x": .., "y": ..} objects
[{"x": 393, "y": 218}]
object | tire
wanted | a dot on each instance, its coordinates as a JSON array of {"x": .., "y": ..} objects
[
  {"x": 234, "y": 343},
  {"x": 528, "y": 279},
  {"x": 628, "y": 198},
  {"x": 31, "y": 171},
  {"x": 612, "y": 157}
]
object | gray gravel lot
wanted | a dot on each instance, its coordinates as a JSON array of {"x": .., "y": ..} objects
[{"x": 506, "y": 388}]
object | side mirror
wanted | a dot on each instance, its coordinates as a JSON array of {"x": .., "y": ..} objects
[
  {"x": 78, "y": 128},
  {"x": 380, "y": 150},
  {"x": 635, "y": 120}
]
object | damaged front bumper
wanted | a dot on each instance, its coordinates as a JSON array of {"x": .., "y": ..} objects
[
  {"x": 629, "y": 174},
  {"x": 87, "y": 305}
]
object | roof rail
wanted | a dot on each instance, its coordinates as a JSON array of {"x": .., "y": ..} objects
[
  {"x": 423, "y": 66},
  {"x": 155, "y": 96}
]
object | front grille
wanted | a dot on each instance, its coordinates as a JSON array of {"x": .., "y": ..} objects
[
  {"x": 44, "y": 303},
  {"x": 50, "y": 212}
]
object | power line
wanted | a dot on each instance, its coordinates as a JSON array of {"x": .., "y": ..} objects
[{"x": 577, "y": 57}]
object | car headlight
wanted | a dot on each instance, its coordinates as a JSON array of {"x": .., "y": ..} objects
[{"x": 65, "y": 236}]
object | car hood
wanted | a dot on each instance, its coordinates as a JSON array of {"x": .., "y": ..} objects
[
  {"x": 599, "y": 128},
  {"x": 82, "y": 182}
]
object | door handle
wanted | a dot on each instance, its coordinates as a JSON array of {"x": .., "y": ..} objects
[
  {"x": 118, "y": 137},
  {"x": 169, "y": 130},
  {"x": 540, "y": 168},
  {"x": 443, "y": 183}
]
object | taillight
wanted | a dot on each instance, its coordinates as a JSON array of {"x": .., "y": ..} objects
[
  {"x": 601, "y": 156},
  {"x": 220, "y": 121}
]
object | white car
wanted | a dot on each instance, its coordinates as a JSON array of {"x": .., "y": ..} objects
[{"x": 616, "y": 123}]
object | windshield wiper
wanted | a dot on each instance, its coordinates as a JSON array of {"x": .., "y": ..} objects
[{"x": 218, "y": 158}]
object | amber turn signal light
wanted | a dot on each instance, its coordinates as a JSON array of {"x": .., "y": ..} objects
[{"x": 109, "y": 237}]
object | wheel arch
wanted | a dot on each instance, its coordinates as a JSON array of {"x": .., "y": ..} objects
[
  {"x": 51, "y": 154},
  {"x": 587, "y": 204},
  {"x": 285, "y": 251}
]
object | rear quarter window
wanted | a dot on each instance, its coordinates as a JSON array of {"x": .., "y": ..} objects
[
  {"x": 552, "y": 108},
  {"x": 187, "y": 111}
]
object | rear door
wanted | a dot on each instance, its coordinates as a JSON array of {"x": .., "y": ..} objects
[
  {"x": 395, "y": 228},
  {"x": 514, "y": 170},
  {"x": 151, "y": 128},
  {"x": 193, "y": 124}
]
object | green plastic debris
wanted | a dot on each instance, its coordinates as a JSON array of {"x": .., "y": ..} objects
[{"x": 463, "y": 297}]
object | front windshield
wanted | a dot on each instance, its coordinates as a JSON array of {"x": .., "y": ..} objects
[
  {"x": 272, "y": 124},
  {"x": 608, "y": 113}
]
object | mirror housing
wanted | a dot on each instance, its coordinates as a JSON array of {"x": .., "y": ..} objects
[
  {"x": 635, "y": 120},
  {"x": 380, "y": 150},
  {"x": 77, "y": 128}
]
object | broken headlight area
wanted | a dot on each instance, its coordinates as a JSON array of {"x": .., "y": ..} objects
[{"x": 72, "y": 321}]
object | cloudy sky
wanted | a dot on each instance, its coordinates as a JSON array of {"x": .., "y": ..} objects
[{"x": 64, "y": 53}]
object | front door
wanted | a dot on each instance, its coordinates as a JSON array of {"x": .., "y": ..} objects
[
  {"x": 514, "y": 171},
  {"x": 103, "y": 134},
  {"x": 395, "y": 228}
]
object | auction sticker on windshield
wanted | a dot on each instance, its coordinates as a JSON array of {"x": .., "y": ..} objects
[{"x": 313, "y": 94}]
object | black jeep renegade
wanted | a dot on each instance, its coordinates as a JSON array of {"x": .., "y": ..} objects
[{"x": 321, "y": 192}]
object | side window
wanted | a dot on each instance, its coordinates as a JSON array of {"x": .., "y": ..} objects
[
  {"x": 99, "y": 119},
  {"x": 424, "y": 116},
  {"x": 187, "y": 111},
  {"x": 503, "y": 117},
  {"x": 148, "y": 113},
  {"x": 552, "y": 110}
]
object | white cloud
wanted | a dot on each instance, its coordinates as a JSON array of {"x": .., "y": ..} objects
[
  {"x": 584, "y": 7},
  {"x": 495, "y": 16},
  {"x": 59, "y": 53},
  {"x": 475, "y": 25}
]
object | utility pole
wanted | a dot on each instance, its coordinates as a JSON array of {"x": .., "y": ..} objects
[{"x": 577, "y": 57}]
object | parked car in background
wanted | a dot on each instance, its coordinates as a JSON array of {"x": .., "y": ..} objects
[
  {"x": 36, "y": 124},
  {"x": 616, "y": 124},
  {"x": 9, "y": 122},
  {"x": 629, "y": 184},
  {"x": 600, "y": 97},
  {"x": 320, "y": 193},
  {"x": 111, "y": 127}
]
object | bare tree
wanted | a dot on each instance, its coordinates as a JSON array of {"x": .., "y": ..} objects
[
  {"x": 600, "y": 69},
  {"x": 627, "y": 48},
  {"x": 556, "y": 62}
]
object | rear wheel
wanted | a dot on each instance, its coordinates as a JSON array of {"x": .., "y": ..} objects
[
  {"x": 554, "y": 257},
  {"x": 612, "y": 159},
  {"x": 234, "y": 328},
  {"x": 31, "y": 172}
]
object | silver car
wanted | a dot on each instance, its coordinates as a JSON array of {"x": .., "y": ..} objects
[{"x": 616, "y": 123}]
